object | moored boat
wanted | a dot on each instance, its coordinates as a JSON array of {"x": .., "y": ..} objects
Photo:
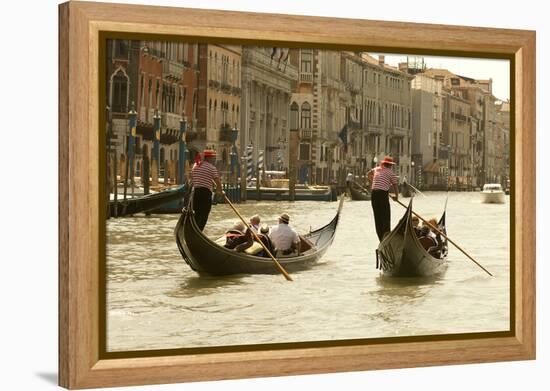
[
  {"x": 145, "y": 203},
  {"x": 357, "y": 194},
  {"x": 402, "y": 254},
  {"x": 492, "y": 193},
  {"x": 205, "y": 256}
]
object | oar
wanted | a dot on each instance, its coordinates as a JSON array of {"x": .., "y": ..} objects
[
  {"x": 281, "y": 269},
  {"x": 445, "y": 236},
  {"x": 415, "y": 189},
  {"x": 361, "y": 187}
]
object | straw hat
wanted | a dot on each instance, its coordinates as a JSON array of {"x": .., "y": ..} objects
[
  {"x": 387, "y": 160},
  {"x": 285, "y": 218},
  {"x": 209, "y": 153}
]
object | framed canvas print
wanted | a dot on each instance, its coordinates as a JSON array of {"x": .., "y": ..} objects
[{"x": 247, "y": 195}]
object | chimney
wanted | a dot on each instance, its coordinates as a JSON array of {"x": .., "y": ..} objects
[{"x": 381, "y": 59}]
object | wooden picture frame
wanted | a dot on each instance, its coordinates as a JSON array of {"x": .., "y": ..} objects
[{"x": 81, "y": 27}]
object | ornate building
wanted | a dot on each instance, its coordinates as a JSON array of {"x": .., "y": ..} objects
[
  {"x": 268, "y": 79},
  {"x": 219, "y": 101}
]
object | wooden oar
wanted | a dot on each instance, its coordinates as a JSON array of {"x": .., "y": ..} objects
[
  {"x": 281, "y": 269},
  {"x": 415, "y": 189},
  {"x": 361, "y": 187},
  {"x": 445, "y": 236}
]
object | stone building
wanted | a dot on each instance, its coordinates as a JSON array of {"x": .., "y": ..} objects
[
  {"x": 168, "y": 86},
  {"x": 387, "y": 113},
  {"x": 219, "y": 101},
  {"x": 427, "y": 107},
  {"x": 268, "y": 79},
  {"x": 157, "y": 80},
  {"x": 456, "y": 132},
  {"x": 474, "y": 158},
  {"x": 355, "y": 92},
  {"x": 331, "y": 164},
  {"x": 122, "y": 80},
  {"x": 503, "y": 121}
]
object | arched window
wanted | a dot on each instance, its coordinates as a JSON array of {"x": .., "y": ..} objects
[
  {"x": 141, "y": 90},
  {"x": 305, "y": 122},
  {"x": 150, "y": 94},
  {"x": 157, "y": 92},
  {"x": 294, "y": 116},
  {"x": 120, "y": 92}
]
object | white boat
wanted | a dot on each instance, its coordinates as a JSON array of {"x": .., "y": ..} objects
[{"x": 492, "y": 193}]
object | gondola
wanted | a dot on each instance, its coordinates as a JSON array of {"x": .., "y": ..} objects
[
  {"x": 401, "y": 254},
  {"x": 204, "y": 256},
  {"x": 405, "y": 190},
  {"x": 145, "y": 203},
  {"x": 358, "y": 194}
]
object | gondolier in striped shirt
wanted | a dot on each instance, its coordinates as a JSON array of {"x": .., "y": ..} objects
[
  {"x": 203, "y": 174},
  {"x": 383, "y": 179}
]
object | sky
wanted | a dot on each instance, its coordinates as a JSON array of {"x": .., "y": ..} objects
[{"x": 475, "y": 68}]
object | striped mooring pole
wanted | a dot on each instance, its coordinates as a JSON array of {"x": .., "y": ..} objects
[{"x": 249, "y": 164}]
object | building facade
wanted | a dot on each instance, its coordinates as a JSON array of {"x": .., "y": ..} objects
[
  {"x": 427, "y": 107},
  {"x": 157, "y": 81},
  {"x": 268, "y": 79},
  {"x": 219, "y": 101}
]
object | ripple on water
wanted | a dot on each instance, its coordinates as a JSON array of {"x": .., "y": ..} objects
[{"x": 156, "y": 302}]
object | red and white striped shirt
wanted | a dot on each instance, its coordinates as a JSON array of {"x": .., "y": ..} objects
[
  {"x": 383, "y": 179},
  {"x": 202, "y": 175}
]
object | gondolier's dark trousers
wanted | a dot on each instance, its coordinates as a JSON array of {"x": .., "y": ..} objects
[
  {"x": 202, "y": 203},
  {"x": 380, "y": 202}
]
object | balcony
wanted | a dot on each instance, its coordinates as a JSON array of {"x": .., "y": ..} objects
[
  {"x": 225, "y": 136},
  {"x": 306, "y": 77},
  {"x": 259, "y": 57},
  {"x": 170, "y": 120},
  {"x": 399, "y": 132},
  {"x": 173, "y": 69},
  {"x": 214, "y": 84},
  {"x": 236, "y": 91},
  {"x": 306, "y": 134},
  {"x": 195, "y": 135},
  {"x": 226, "y": 88}
]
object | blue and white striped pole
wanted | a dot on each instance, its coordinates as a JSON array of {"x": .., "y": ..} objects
[
  {"x": 249, "y": 165},
  {"x": 260, "y": 164},
  {"x": 132, "y": 123},
  {"x": 156, "y": 138},
  {"x": 181, "y": 158}
]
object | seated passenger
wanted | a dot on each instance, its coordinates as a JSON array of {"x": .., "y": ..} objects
[
  {"x": 415, "y": 225},
  {"x": 236, "y": 238},
  {"x": 264, "y": 237},
  {"x": 426, "y": 239},
  {"x": 255, "y": 223},
  {"x": 284, "y": 237}
]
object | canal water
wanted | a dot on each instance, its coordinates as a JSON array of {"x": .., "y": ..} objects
[{"x": 155, "y": 301}]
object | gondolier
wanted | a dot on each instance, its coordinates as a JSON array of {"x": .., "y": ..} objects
[
  {"x": 203, "y": 174},
  {"x": 383, "y": 179}
]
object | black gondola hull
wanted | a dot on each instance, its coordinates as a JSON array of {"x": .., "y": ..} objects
[
  {"x": 206, "y": 257},
  {"x": 145, "y": 203},
  {"x": 400, "y": 254},
  {"x": 358, "y": 195}
]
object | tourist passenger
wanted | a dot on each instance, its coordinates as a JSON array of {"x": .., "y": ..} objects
[
  {"x": 263, "y": 235},
  {"x": 203, "y": 174},
  {"x": 426, "y": 239},
  {"x": 255, "y": 223},
  {"x": 383, "y": 179},
  {"x": 284, "y": 237},
  {"x": 415, "y": 225},
  {"x": 235, "y": 236}
]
